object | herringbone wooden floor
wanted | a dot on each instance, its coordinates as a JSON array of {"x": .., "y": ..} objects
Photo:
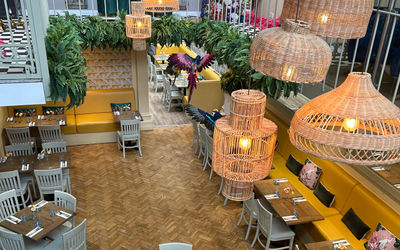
[{"x": 164, "y": 196}]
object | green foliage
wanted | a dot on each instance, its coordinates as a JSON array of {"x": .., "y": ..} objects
[{"x": 66, "y": 64}]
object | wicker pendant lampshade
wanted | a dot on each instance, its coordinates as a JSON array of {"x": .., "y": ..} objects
[
  {"x": 161, "y": 5},
  {"x": 291, "y": 53},
  {"x": 332, "y": 18},
  {"x": 244, "y": 144},
  {"x": 353, "y": 124},
  {"x": 138, "y": 26}
]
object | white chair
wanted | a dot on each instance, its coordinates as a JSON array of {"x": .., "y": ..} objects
[
  {"x": 175, "y": 246},
  {"x": 21, "y": 136},
  {"x": 49, "y": 181},
  {"x": 196, "y": 134},
  {"x": 19, "y": 149},
  {"x": 130, "y": 131},
  {"x": 50, "y": 133},
  {"x": 249, "y": 207},
  {"x": 274, "y": 229},
  {"x": 8, "y": 204},
  {"x": 59, "y": 147},
  {"x": 67, "y": 201},
  {"x": 74, "y": 239},
  {"x": 173, "y": 95},
  {"x": 203, "y": 143},
  {"x": 210, "y": 149},
  {"x": 13, "y": 241},
  {"x": 158, "y": 77},
  {"x": 10, "y": 180}
]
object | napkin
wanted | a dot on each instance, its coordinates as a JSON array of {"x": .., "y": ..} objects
[
  {"x": 62, "y": 122},
  {"x": 25, "y": 167},
  {"x": 34, "y": 231},
  {"x": 344, "y": 242},
  {"x": 31, "y": 124},
  {"x": 13, "y": 219},
  {"x": 271, "y": 196},
  {"x": 397, "y": 185},
  {"x": 41, "y": 203},
  {"x": 63, "y": 164},
  {"x": 63, "y": 214},
  {"x": 378, "y": 168},
  {"x": 281, "y": 180},
  {"x": 289, "y": 218},
  {"x": 299, "y": 199}
]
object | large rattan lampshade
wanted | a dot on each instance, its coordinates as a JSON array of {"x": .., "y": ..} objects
[
  {"x": 244, "y": 144},
  {"x": 347, "y": 19},
  {"x": 353, "y": 124},
  {"x": 161, "y": 5},
  {"x": 291, "y": 53},
  {"x": 138, "y": 26}
]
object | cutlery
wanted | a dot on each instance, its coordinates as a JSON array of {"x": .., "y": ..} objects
[
  {"x": 34, "y": 231},
  {"x": 378, "y": 168},
  {"x": 271, "y": 196},
  {"x": 289, "y": 218}
]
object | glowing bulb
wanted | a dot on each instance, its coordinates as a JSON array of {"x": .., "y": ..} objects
[
  {"x": 244, "y": 143},
  {"x": 324, "y": 19},
  {"x": 350, "y": 124},
  {"x": 139, "y": 23},
  {"x": 160, "y": 1},
  {"x": 288, "y": 72}
]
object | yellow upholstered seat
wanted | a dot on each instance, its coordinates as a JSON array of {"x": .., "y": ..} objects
[
  {"x": 96, "y": 122},
  {"x": 71, "y": 125}
]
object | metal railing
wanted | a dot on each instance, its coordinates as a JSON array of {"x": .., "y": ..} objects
[{"x": 20, "y": 46}]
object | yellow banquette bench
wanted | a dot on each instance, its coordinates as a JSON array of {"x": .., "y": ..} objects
[
  {"x": 94, "y": 115},
  {"x": 208, "y": 95},
  {"x": 349, "y": 193}
]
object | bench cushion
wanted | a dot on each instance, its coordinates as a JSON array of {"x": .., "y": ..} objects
[
  {"x": 70, "y": 128},
  {"x": 97, "y": 122}
]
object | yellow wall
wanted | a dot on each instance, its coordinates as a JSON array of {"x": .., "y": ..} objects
[{"x": 3, "y": 117}]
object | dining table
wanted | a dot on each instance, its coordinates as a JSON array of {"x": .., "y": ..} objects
[
  {"x": 287, "y": 201},
  {"x": 49, "y": 216},
  {"x": 329, "y": 244},
  {"x": 127, "y": 115},
  {"x": 161, "y": 58},
  {"x": 50, "y": 161},
  {"x": 389, "y": 173},
  {"x": 34, "y": 121}
]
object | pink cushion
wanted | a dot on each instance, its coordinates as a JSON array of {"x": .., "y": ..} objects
[{"x": 310, "y": 174}]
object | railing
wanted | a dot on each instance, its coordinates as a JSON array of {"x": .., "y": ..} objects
[{"x": 22, "y": 51}]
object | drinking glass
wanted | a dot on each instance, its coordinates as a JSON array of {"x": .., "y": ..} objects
[
  {"x": 52, "y": 212},
  {"x": 37, "y": 222},
  {"x": 24, "y": 217}
]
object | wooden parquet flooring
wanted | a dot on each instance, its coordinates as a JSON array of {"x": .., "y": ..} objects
[{"x": 164, "y": 196}]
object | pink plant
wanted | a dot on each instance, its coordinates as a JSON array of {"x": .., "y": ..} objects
[
  {"x": 264, "y": 22},
  {"x": 3, "y": 52}
]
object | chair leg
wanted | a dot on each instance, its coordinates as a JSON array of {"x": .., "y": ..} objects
[
  {"x": 221, "y": 186},
  {"x": 256, "y": 236},
  {"x": 225, "y": 201},
  {"x": 118, "y": 142},
  {"x": 140, "y": 147},
  {"x": 201, "y": 150},
  {"x": 211, "y": 173},
  {"x": 249, "y": 227},
  {"x": 291, "y": 243},
  {"x": 241, "y": 217},
  {"x": 267, "y": 244},
  {"x": 123, "y": 148}
]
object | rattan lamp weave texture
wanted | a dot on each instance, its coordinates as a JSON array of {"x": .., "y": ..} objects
[
  {"x": 353, "y": 124},
  {"x": 291, "y": 53},
  {"x": 347, "y": 19},
  {"x": 244, "y": 144},
  {"x": 161, "y": 5},
  {"x": 138, "y": 26}
]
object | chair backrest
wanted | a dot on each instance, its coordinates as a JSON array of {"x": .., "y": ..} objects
[
  {"x": 18, "y": 135},
  {"x": 50, "y": 133},
  {"x": 175, "y": 246},
  {"x": 195, "y": 125},
  {"x": 130, "y": 127},
  {"x": 202, "y": 133},
  {"x": 11, "y": 241},
  {"x": 49, "y": 180},
  {"x": 55, "y": 147},
  {"x": 19, "y": 149},
  {"x": 75, "y": 239},
  {"x": 8, "y": 204},
  {"x": 251, "y": 204},
  {"x": 210, "y": 143},
  {"x": 65, "y": 200},
  {"x": 9, "y": 180},
  {"x": 264, "y": 220}
]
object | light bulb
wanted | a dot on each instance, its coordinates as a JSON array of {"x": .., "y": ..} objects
[
  {"x": 350, "y": 124},
  {"x": 244, "y": 143},
  {"x": 160, "y": 1},
  {"x": 288, "y": 72},
  {"x": 139, "y": 23},
  {"x": 324, "y": 19}
]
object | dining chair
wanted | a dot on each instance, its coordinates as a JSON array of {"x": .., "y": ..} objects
[
  {"x": 14, "y": 241},
  {"x": 50, "y": 133},
  {"x": 202, "y": 143},
  {"x": 209, "y": 150},
  {"x": 158, "y": 77},
  {"x": 10, "y": 180},
  {"x": 21, "y": 136},
  {"x": 274, "y": 229},
  {"x": 249, "y": 207},
  {"x": 59, "y": 147},
  {"x": 49, "y": 181},
  {"x": 67, "y": 201},
  {"x": 196, "y": 134},
  {"x": 8, "y": 204},
  {"x": 173, "y": 95},
  {"x": 175, "y": 246},
  {"x": 19, "y": 149},
  {"x": 221, "y": 186},
  {"x": 74, "y": 239},
  {"x": 130, "y": 131}
]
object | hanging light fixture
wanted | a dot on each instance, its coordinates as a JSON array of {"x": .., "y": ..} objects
[
  {"x": 332, "y": 18},
  {"x": 161, "y": 5},
  {"x": 291, "y": 53},
  {"x": 244, "y": 144},
  {"x": 138, "y": 26},
  {"x": 353, "y": 123}
]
